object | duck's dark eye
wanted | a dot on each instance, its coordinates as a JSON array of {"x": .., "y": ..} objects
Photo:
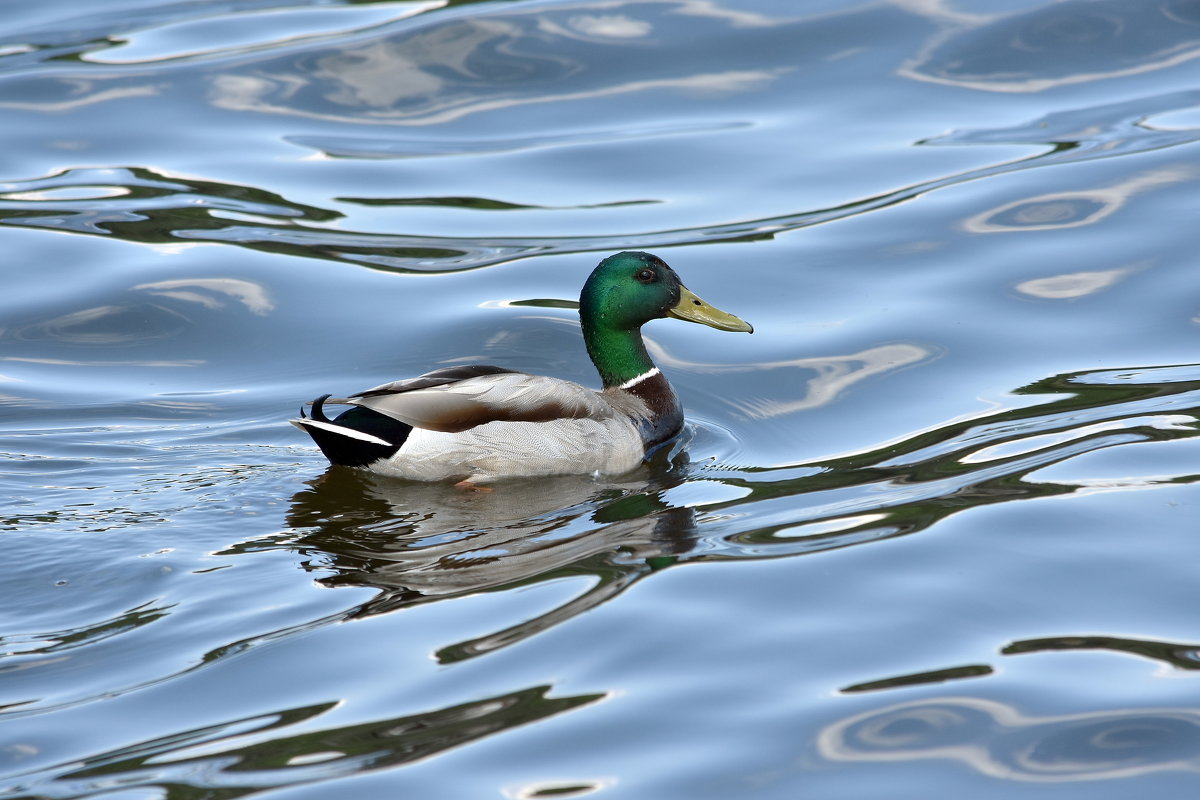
[{"x": 646, "y": 276}]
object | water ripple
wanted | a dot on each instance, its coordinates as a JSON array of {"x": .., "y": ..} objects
[
  {"x": 139, "y": 204},
  {"x": 996, "y": 739},
  {"x": 909, "y": 485},
  {"x": 407, "y": 146},
  {"x": 246, "y": 755},
  {"x": 1063, "y": 43}
]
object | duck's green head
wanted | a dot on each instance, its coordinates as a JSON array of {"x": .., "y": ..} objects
[{"x": 629, "y": 289}]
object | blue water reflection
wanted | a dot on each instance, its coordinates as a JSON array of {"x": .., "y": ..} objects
[
  {"x": 997, "y": 740},
  {"x": 1055, "y": 44}
]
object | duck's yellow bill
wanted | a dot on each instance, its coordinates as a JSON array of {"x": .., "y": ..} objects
[{"x": 693, "y": 309}]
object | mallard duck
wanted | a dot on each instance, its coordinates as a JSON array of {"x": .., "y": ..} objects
[{"x": 480, "y": 423}]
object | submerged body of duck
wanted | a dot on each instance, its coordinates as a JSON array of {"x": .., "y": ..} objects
[{"x": 479, "y": 423}]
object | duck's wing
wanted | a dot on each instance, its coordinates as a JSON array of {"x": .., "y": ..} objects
[{"x": 459, "y": 398}]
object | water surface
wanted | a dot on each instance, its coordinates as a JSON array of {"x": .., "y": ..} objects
[{"x": 930, "y": 529}]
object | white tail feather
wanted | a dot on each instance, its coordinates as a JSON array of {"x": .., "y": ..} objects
[{"x": 341, "y": 430}]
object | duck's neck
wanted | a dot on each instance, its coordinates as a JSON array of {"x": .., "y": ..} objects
[
  {"x": 619, "y": 355},
  {"x": 621, "y": 358}
]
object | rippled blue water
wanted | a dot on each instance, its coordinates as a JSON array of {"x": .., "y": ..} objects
[{"x": 933, "y": 529}]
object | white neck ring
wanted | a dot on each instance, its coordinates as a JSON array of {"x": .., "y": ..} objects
[{"x": 629, "y": 384}]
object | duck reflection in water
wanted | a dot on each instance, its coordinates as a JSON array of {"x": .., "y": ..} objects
[{"x": 417, "y": 542}]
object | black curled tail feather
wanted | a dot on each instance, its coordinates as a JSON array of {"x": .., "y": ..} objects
[{"x": 318, "y": 413}]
